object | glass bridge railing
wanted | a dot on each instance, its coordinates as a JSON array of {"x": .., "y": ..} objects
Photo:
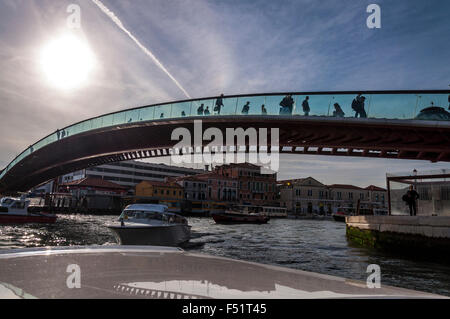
[{"x": 418, "y": 105}]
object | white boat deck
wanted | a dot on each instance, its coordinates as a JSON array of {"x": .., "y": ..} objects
[{"x": 167, "y": 272}]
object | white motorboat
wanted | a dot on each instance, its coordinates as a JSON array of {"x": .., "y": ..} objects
[
  {"x": 151, "y": 224},
  {"x": 21, "y": 211}
]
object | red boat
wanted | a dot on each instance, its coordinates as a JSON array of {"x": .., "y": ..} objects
[
  {"x": 241, "y": 215},
  {"x": 19, "y": 211}
]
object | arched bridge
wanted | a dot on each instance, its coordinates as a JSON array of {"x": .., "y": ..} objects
[{"x": 400, "y": 124}]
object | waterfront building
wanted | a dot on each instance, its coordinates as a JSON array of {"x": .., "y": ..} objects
[
  {"x": 304, "y": 195},
  {"x": 92, "y": 186},
  {"x": 220, "y": 187},
  {"x": 194, "y": 188},
  {"x": 131, "y": 173},
  {"x": 308, "y": 195},
  {"x": 93, "y": 195},
  {"x": 159, "y": 190},
  {"x": 253, "y": 187},
  {"x": 377, "y": 194}
]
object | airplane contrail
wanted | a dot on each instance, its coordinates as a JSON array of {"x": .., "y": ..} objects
[{"x": 117, "y": 21}]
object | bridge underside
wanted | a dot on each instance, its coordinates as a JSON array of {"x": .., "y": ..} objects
[{"x": 316, "y": 136}]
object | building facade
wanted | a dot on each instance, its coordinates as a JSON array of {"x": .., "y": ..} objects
[
  {"x": 131, "y": 173},
  {"x": 92, "y": 195},
  {"x": 308, "y": 195},
  {"x": 159, "y": 190},
  {"x": 253, "y": 187}
]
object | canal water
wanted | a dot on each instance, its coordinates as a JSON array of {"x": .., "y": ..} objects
[{"x": 312, "y": 245}]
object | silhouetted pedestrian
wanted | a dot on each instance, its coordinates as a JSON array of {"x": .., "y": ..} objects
[
  {"x": 287, "y": 105},
  {"x": 183, "y": 113},
  {"x": 219, "y": 104},
  {"x": 411, "y": 198},
  {"x": 246, "y": 108},
  {"x": 207, "y": 110},
  {"x": 358, "y": 106},
  {"x": 305, "y": 105},
  {"x": 200, "y": 110},
  {"x": 162, "y": 116},
  {"x": 338, "y": 110},
  {"x": 263, "y": 110}
]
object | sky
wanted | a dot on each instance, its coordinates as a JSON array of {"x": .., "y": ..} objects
[{"x": 204, "y": 48}]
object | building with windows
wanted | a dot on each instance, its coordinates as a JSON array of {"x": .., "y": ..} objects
[
  {"x": 308, "y": 195},
  {"x": 159, "y": 190},
  {"x": 220, "y": 187},
  {"x": 305, "y": 195},
  {"x": 92, "y": 195},
  {"x": 131, "y": 173},
  {"x": 194, "y": 187},
  {"x": 253, "y": 187},
  {"x": 377, "y": 194}
]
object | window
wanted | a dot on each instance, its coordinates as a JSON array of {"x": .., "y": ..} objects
[{"x": 350, "y": 195}]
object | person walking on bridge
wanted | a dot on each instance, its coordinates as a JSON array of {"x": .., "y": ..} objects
[
  {"x": 305, "y": 105},
  {"x": 263, "y": 110},
  {"x": 338, "y": 111},
  {"x": 200, "y": 110},
  {"x": 358, "y": 106},
  {"x": 287, "y": 105},
  {"x": 246, "y": 108},
  {"x": 219, "y": 104}
]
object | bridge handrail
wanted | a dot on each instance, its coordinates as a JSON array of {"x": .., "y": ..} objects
[{"x": 400, "y": 104}]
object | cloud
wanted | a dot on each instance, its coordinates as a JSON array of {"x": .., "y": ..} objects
[
  {"x": 213, "y": 47},
  {"x": 117, "y": 21}
]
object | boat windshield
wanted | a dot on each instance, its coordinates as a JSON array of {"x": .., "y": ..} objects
[
  {"x": 128, "y": 214},
  {"x": 6, "y": 201}
]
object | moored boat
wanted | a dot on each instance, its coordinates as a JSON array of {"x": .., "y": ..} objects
[
  {"x": 241, "y": 215},
  {"x": 151, "y": 224},
  {"x": 339, "y": 216},
  {"x": 19, "y": 211}
]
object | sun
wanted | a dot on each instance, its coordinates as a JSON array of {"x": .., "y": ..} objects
[{"x": 67, "y": 62}]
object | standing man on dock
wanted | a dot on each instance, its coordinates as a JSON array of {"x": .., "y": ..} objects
[{"x": 411, "y": 199}]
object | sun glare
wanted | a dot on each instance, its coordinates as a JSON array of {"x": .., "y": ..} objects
[{"x": 67, "y": 62}]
